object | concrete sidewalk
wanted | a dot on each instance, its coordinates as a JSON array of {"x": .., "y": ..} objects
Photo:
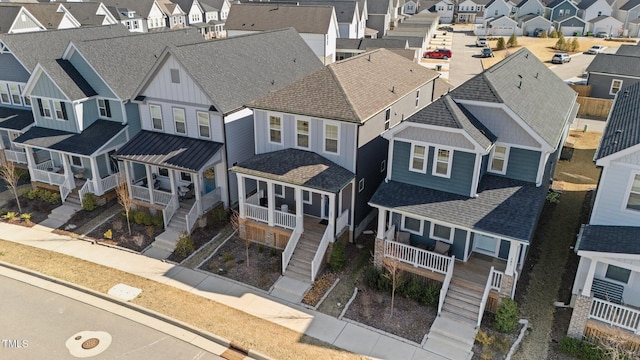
[{"x": 343, "y": 334}]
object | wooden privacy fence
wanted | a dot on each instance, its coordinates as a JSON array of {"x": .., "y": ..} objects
[
  {"x": 594, "y": 106},
  {"x": 582, "y": 90}
]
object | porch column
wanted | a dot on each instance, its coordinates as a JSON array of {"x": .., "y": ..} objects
[
  {"x": 271, "y": 203},
  {"x": 172, "y": 181},
  {"x": 241, "y": 195},
  {"x": 512, "y": 259},
  {"x": 299, "y": 208},
  {"x": 586, "y": 289},
  {"x": 332, "y": 215},
  {"x": 95, "y": 176},
  {"x": 378, "y": 247},
  {"x": 127, "y": 174},
  {"x": 68, "y": 174},
  {"x": 150, "y": 182},
  {"x": 196, "y": 189},
  {"x": 382, "y": 219},
  {"x": 31, "y": 162}
]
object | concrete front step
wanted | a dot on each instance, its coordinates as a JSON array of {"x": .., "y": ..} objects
[
  {"x": 166, "y": 241},
  {"x": 290, "y": 289},
  {"x": 460, "y": 333},
  {"x": 463, "y": 294},
  {"x": 157, "y": 253},
  {"x": 301, "y": 276},
  {"x": 460, "y": 319},
  {"x": 446, "y": 348},
  {"x": 470, "y": 306},
  {"x": 460, "y": 312}
]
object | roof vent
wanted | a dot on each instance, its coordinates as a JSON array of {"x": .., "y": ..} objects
[
  {"x": 273, "y": 82},
  {"x": 526, "y": 56},
  {"x": 618, "y": 131},
  {"x": 369, "y": 57},
  {"x": 294, "y": 59},
  {"x": 626, "y": 93},
  {"x": 520, "y": 76},
  {"x": 393, "y": 89},
  {"x": 537, "y": 75},
  {"x": 520, "y": 85}
]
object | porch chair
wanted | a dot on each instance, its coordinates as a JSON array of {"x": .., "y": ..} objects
[
  {"x": 186, "y": 192},
  {"x": 442, "y": 248}
]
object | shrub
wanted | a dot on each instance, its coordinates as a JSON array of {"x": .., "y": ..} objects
[
  {"x": 228, "y": 256},
  {"x": 431, "y": 293},
  {"x": 157, "y": 221},
  {"x": 337, "y": 258},
  {"x": 513, "y": 41},
  {"x": 11, "y": 215},
  {"x": 260, "y": 248},
  {"x": 500, "y": 44},
  {"x": 273, "y": 252},
  {"x": 185, "y": 245},
  {"x": 561, "y": 44},
  {"x": 108, "y": 234},
  {"x": 26, "y": 217},
  {"x": 23, "y": 174},
  {"x": 3, "y": 211},
  {"x": 117, "y": 225},
  {"x": 412, "y": 289},
  {"x": 544, "y": 34},
  {"x": 581, "y": 349},
  {"x": 483, "y": 338},
  {"x": 218, "y": 217},
  {"x": 42, "y": 195},
  {"x": 371, "y": 276},
  {"x": 89, "y": 202},
  {"x": 554, "y": 34},
  {"x": 575, "y": 45},
  {"x": 142, "y": 218},
  {"x": 506, "y": 316}
]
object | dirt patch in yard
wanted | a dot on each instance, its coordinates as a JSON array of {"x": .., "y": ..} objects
[
  {"x": 36, "y": 210},
  {"x": 141, "y": 235}
]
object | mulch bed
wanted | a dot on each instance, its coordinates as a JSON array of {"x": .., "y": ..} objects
[
  {"x": 500, "y": 342},
  {"x": 39, "y": 210},
  {"x": 82, "y": 217},
  {"x": 141, "y": 235},
  {"x": 231, "y": 261},
  {"x": 200, "y": 237}
]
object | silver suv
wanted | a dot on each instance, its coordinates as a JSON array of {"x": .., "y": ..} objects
[{"x": 560, "y": 58}]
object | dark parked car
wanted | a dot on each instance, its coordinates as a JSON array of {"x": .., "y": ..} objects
[
  {"x": 438, "y": 54},
  {"x": 486, "y": 52}
]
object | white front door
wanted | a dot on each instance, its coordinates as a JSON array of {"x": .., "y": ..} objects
[{"x": 486, "y": 245}]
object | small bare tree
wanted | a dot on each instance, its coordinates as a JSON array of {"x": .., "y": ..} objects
[
  {"x": 617, "y": 345},
  {"x": 10, "y": 177},
  {"x": 122, "y": 192},
  {"x": 394, "y": 274}
]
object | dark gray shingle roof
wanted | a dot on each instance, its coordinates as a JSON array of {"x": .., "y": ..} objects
[
  {"x": 629, "y": 50},
  {"x": 499, "y": 198},
  {"x": 623, "y": 127},
  {"x": 15, "y": 119},
  {"x": 630, "y": 5},
  {"x": 85, "y": 143},
  {"x": 171, "y": 151},
  {"x": 584, "y": 4},
  {"x": 524, "y": 84},
  {"x": 615, "y": 64},
  {"x": 297, "y": 167},
  {"x": 610, "y": 239}
]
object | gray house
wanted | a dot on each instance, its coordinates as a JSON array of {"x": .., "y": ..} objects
[
  {"x": 610, "y": 73},
  {"x": 558, "y": 9}
]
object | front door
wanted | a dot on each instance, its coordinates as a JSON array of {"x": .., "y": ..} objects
[
  {"x": 486, "y": 244},
  {"x": 209, "y": 180}
]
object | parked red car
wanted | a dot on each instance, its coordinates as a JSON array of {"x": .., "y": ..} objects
[{"x": 438, "y": 54}]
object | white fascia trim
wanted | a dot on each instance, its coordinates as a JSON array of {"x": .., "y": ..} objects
[
  {"x": 71, "y": 49},
  {"x": 236, "y": 115},
  {"x": 33, "y": 79},
  {"x": 615, "y": 75},
  {"x": 607, "y": 160},
  {"x": 403, "y": 125},
  {"x": 286, "y": 184},
  {"x": 544, "y": 145},
  {"x": 125, "y": 128},
  {"x": 27, "y": 13},
  {"x": 390, "y": 160}
]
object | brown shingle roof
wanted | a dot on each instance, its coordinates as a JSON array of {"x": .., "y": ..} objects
[
  {"x": 351, "y": 90},
  {"x": 264, "y": 17}
]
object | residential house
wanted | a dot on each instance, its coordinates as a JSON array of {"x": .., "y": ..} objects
[
  {"x": 322, "y": 160},
  {"x": 350, "y": 23},
  {"x": 467, "y": 177},
  {"x": 195, "y": 125},
  {"x": 411, "y": 7},
  {"x": 570, "y": 25},
  {"x": 379, "y": 16},
  {"x": 609, "y": 74},
  {"x": 89, "y": 13},
  {"x": 606, "y": 290},
  {"x": 530, "y": 23},
  {"x": 36, "y": 16},
  {"x": 176, "y": 17},
  {"x": 468, "y": 10},
  {"x": 591, "y": 9},
  {"x": 499, "y": 26},
  {"x": 445, "y": 9},
  {"x": 529, "y": 7},
  {"x": 560, "y": 9},
  {"x": 346, "y": 48},
  {"x": 83, "y": 110},
  {"x": 608, "y": 24},
  {"x": 497, "y": 8},
  {"x": 138, "y": 15},
  {"x": 206, "y": 15},
  {"x": 317, "y": 25},
  {"x": 628, "y": 13},
  {"x": 17, "y": 19},
  {"x": 417, "y": 37},
  {"x": 19, "y": 55}
]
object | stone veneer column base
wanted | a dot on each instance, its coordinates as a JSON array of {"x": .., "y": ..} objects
[
  {"x": 507, "y": 286},
  {"x": 579, "y": 316},
  {"x": 378, "y": 253}
]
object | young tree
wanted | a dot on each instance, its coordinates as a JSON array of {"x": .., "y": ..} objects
[
  {"x": 500, "y": 45},
  {"x": 513, "y": 41},
  {"x": 554, "y": 34},
  {"x": 544, "y": 34},
  {"x": 575, "y": 45},
  {"x": 561, "y": 44},
  {"x": 122, "y": 192},
  {"x": 617, "y": 345},
  {"x": 394, "y": 274},
  {"x": 10, "y": 177}
]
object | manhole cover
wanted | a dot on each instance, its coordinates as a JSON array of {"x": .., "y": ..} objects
[{"x": 90, "y": 344}]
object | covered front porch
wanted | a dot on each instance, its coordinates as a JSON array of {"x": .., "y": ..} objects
[{"x": 13, "y": 123}]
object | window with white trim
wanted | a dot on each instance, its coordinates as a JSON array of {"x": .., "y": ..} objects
[
  {"x": 633, "y": 200},
  {"x": 156, "y": 116},
  {"x": 185, "y": 176},
  {"x": 331, "y": 136},
  {"x": 204, "y": 127},
  {"x": 417, "y": 97},
  {"x": 27, "y": 101},
  {"x": 175, "y": 74},
  {"x": 418, "y": 158},
  {"x": 278, "y": 190},
  {"x": 499, "y": 159},
  {"x": 14, "y": 90},
  {"x": 441, "y": 232},
  {"x": 306, "y": 197},
  {"x": 616, "y": 85},
  {"x": 179, "y": 121},
  {"x": 76, "y": 161},
  {"x": 441, "y": 163},
  {"x": 618, "y": 274},
  {"x": 361, "y": 185},
  {"x": 387, "y": 118},
  {"x": 275, "y": 129},
  {"x": 164, "y": 172},
  {"x": 61, "y": 110},
  {"x": 4, "y": 94},
  {"x": 302, "y": 133},
  {"x": 45, "y": 108},
  {"x": 412, "y": 225},
  {"x": 104, "y": 108}
]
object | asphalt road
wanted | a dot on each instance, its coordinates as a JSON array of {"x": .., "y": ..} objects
[
  {"x": 39, "y": 324},
  {"x": 577, "y": 66}
]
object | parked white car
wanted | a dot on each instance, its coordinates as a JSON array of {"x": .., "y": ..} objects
[
  {"x": 482, "y": 42},
  {"x": 596, "y": 49}
]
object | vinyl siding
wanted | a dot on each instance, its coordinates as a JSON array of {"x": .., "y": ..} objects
[
  {"x": 369, "y": 161},
  {"x": 503, "y": 126},
  {"x": 133, "y": 118},
  {"x": 459, "y": 236},
  {"x": 187, "y": 91},
  {"x": 239, "y": 145},
  {"x": 168, "y": 124},
  {"x": 12, "y": 70},
  {"x": 461, "y": 172},
  {"x": 90, "y": 76},
  {"x": 611, "y": 199},
  {"x": 523, "y": 164},
  {"x": 116, "y": 142},
  {"x": 51, "y": 123},
  {"x": 531, "y": 7},
  {"x": 601, "y": 84},
  {"x": 564, "y": 6},
  {"x": 25, "y": 25},
  {"x": 44, "y": 87}
]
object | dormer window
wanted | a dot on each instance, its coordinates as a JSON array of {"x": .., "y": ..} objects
[
  {"x": 442, "y": 163},
  {"x": 499, "y": 159},
  {"x": 45, "y": 108},
  {"x": 61, "y": 110},
  {"x": 104, "y": 108}
]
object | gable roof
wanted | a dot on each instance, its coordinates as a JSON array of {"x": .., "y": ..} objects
[
  {"x": 46, "y": 13},
  {"x": 85, "y": 12},
  {"x": 530, "y": 17},
  {"x": 306, "y": 19},
  {"x": 527, "y": 87},
  {"x": 585, "y": 4},
  {"x": 629, "y": 50},
  {"x": 560, "y": 20},
  {"x": 623, "y": 126},
  {"x": 347, "y": 91},
  {"x": 609, "y": 239},
  {"x": 68, "y": 79},
  {"x": 615, "y": 64},
  {"x": 603, "y": 17},
  {"x": 185, "y": 5},
  {"x": 629, "y": 5},
  {"x": 555, "y": 3},
  {"x": 8, "y": 17},
  {"x": 215, "y": 4},
  {"x": 124, "y": 69},
  {"x": 141, "y": 7},
  {"x": 445, "y": 112},
  {"x": 232, "y": 75}
]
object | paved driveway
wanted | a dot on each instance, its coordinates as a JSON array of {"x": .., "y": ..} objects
[
  {"x": 465, "y": 62},
  {"x": 577, "y": 66}
]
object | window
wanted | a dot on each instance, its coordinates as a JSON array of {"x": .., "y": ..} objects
[
  {"x": 104, "y": 108},
  {"x": 175, "y": 75},
  {"x": 560, "y": 12},
  {"x": 412, "y": 225},
  {"x": 135, "y": 25},
  {"x": 275, "y": 129},
  {"x": 495, "y": 13},
  {"x": 4, "y": 94},
  {"x": 178, "y": 119},
  {"x": 203, "y": 124},
  {"x": 498, "y": 162},
  {"x": 156, "y": 116},
  {"x": 27, "y": 101},
  {"x": 76, "y": 161},
  {"x": 306, "y": 197},
  {"x": 387, "y": 118},
  {"x": 615, "y": 86},
  {"x": 14, "y": 90},
  {"x": 331, "y": 133},
  {"x": 163, "y": 172},
  {"x": 442, "y": 163},
  {"x": 302, "y": 133},
  {"x": 45, "y": 108},
  {"x": 278, "y": 190},
  {"x": 441, "y": 232},
  {"x": 617, "y": 273},
  {"x": 361, "y": 185},
  {"x": 383, "y": 165},
  {"x": 417, "y": 161},
  {"x": 417, "y": 97},
  {"x": 184, "y": 176},
  {"x": 633, "y": 201},
  {"x": 61, "y": 110}
]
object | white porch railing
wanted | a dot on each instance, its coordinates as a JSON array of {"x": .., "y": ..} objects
[
  {"x": 159, "y": 197},
  {"x": 47, "y": 177},
  {"x": 170, "y": 209},
  {"x": 253, "y": 199},
  {"x": 163, "y": 198},
  {"x": 496, "y": 279},
  {"x": 283, "y": 219},
  {"x": 192, "y": 217},
  {"x": 65, "y": 189},
  {"x": 485, "y": 296},
  {"x": 322, "y": 249},
  {"x": 615, "y": 315},
  {"x": 108, "y": 183},
  {"x": 291, "y": 246},
  {"x": 445, "y": 284},
  {"x": 417, "y": 257},
  {"x": 257, "y": 213},
  {"x": 210, "y": 199},
  {"x": 19, "y": 157},
  {"x": 342, "y": 222},
  {"x": 391, "y": 233},
  {"x": 45, "y": 165},
  {"x": 140, "y": 193},
  {"x": 86, "y": 189}
]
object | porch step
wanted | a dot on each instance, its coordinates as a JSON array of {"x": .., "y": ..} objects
[
  {"x": 460, "y": 312},
  {"x": 464, "y": 293},
  {"x": 447, "y": 348},
  {"x": 467, "y": 284},
  {"x": 298, "y": 274}
]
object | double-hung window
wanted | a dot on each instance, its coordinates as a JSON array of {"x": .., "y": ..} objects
[
  {"x": 61, "y": 110},
  {"x": 412, "y": 225},
  {"x": 179, "y": 120},
  {"x": 4, "y": 94},
  {"x": 616, "y": 85},
  {"x": 499, "y": 158},
  {"x": 156, "y": 116},
  {"x": 442, "y": 162},
  {"x": 302, "y": 133},
  {"x": 418, "y": 158},
  {"x": 14, "y": 90},
  {"x": 441, "y": 232},
  {"x": 45, "y": 108},
  {"x": 275, "y": 129},
  {"x": 204, "y": 128},
  {"x": 104, "y": 108},
  {"x": 331, "y": 136},
  {"x": 633, "y": 200}
]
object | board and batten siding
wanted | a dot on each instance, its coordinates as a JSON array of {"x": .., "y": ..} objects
[
  {"x": 461, "y": 172},
  {"x": 503, "y": 126},
  {"x": 91, "y": 76},
  {"x": 168, "y": 125},
  {"x": 52, "y": 123},
  {"x": 346, "y": 146},
  {"x": 44, "y": 87},
  {"x": 239, "y": 144},
  {"x": 432, "y": 136},
  {"x": 611, "y": 199}
]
